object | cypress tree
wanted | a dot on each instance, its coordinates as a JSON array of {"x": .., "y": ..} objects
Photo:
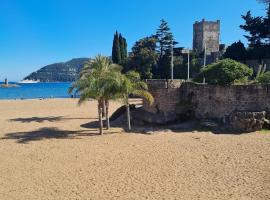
[
  {"x": 123, "y": 48},
  {"x": 116, "y": 51}
]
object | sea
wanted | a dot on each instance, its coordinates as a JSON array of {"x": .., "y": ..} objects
[{"x": 35, "y": 91}]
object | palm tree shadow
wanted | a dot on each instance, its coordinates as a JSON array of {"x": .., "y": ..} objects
[
  {"x": 43, "y": 119},
  {"x": 92, "y": 124},
  {"x": 47, "y": 133},
  {"x": 95, "y": 124},
  {"x": 37, "y": 119}
]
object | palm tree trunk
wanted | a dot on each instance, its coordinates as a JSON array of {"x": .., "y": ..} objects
[
  {"x": 107, "y": 115},
  {"x": 100, "y": 117},
  {"x": 103, "y": 108},
  {"x": 128, "y": 117}
]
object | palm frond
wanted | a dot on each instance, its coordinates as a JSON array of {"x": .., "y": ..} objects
[
  {"x": 133, "y": 76},
  {"x": 144, "y": 94},
  {"x": 142, "y": 85}
]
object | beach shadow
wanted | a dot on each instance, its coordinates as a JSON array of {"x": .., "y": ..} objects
[
  {"x": 36, "y": 119},
  {"x": 95, "y": 125},
  {"x": 92, "y": 124},
  {"x": 48, "y": 133},
  {"x": 44, "y": 119}
]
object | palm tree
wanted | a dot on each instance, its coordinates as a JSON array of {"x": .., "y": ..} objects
[
  {"x": 111, "y": 82},
  {"x": 100, "y": 83},
  {"x": 89, "y": 87},
  {"x": 131, "y": 84},
  {"x": 87, "y": 68}
]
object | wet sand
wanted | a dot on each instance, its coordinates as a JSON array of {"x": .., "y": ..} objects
[{"x": 49, "y": 150}]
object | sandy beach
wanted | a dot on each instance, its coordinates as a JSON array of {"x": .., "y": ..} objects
[{"x": 48, "y": 150}]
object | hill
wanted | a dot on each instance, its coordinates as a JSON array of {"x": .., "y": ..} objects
[{"x": 59, "y": 72}]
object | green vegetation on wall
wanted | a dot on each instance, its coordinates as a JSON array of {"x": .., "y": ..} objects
[
  {"x": 264, "y": 78},
  {"x": 225, "y": 72}
]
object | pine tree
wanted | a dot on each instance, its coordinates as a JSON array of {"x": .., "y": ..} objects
[
  {"x": 116, "y": 50},
  {"x": 165, "y": 43},
  {"x": 267, "y": 23},
  {"x": 165, "y": 38},
  {"x": 258, "y": 27}
]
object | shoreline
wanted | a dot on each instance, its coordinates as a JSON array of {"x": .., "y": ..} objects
[{"x": 40, "y": 98}]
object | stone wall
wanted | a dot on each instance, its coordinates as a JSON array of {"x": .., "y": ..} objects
[
  {"x": 207, "y": 101},
  {"x": 166, "y": 94}
]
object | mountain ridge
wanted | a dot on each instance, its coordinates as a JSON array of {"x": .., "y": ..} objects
[{"x": 59, "y": 72}]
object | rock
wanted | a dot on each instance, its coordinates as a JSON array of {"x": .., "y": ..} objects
[
  {"x": 157, "y": 118},
  {"x": 246, "y": 121},
  {"x": 266, "y": 124},
  {"x": 121, "y": 111},
  {"x": 149, "y": 131},
  {"x": 209, "y": 124},
  {"x": 9, "y": 86}
]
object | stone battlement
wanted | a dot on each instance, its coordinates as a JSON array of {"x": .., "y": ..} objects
[{"x": 163, "y": 83}]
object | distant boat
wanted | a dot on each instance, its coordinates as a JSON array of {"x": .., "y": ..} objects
[{"x": 29, "y": 81}]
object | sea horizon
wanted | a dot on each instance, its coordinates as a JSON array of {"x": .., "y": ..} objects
[{"x": 35, "y": 90}]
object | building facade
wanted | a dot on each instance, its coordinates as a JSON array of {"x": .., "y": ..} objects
[{"x": 206, "y": 34}]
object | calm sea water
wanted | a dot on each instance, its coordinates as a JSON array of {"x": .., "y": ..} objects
[{"x": 36, "y": 90}]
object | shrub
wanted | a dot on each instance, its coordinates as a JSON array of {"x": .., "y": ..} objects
[
  {"x": 264, "y": 78},
  {"x": 225, "y": 72}
]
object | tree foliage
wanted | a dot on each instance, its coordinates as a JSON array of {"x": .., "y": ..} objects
[
  {"x": 236, "y": 51},
  {"x": 116, "y": 51},
  {"x": 123, "y": 48},
  {"x": 165, "y": 43},
  {"x": 119, "y": 49},
  {"x": 164, "y": 38},
  {"x": 181, "y": 69},
  {"x": 105, "y": 82},
  {"x": 258, "y": 28},
  {"x": 225, "y": 72},
  {"x": 254, "y": 26},
  {"x": 131, "y": 84},
  {"x": 151, "y": 56},
  {"x": 99, "y": 83},
  {"x": 143, "y": 57}
]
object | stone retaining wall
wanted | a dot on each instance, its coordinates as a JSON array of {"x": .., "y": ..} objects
[{"x": 207, "y": 101}]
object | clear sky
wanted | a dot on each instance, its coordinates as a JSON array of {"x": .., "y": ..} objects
[{"x": 34, "y": 33}]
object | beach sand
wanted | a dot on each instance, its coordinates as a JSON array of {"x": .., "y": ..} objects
[{"x": 48, "y": 151}]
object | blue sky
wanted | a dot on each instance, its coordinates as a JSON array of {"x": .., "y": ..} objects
[{"x": 34, "y": 33}]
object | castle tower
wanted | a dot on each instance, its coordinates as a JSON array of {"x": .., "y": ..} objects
[{"x": 206, "y": 33}]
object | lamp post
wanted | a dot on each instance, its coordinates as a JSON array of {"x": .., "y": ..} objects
[
  {"x": 204, "y": 60},
  {"x": 172, "y": 62},
  {"x": 188, "y": 65},
  {"x": 187, "y": 51}
]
